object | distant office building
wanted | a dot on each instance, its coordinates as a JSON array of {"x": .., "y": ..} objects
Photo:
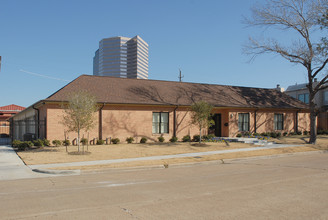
[{"x": 122, "y": 57}]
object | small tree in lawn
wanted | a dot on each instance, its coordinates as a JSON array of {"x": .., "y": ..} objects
[
  {"x": 201, "y": 116},
  {"x": 79, "y": 113}
]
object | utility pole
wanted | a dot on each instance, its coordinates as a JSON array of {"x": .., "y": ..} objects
[{"x": 180, "y": 76}]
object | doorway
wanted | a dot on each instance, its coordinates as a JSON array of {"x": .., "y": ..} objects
[{"x": 216, "y": 127}]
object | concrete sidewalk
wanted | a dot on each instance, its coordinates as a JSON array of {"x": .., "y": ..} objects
[
  {"x": 104, "y": 162},
  {"x": 12, "y": 167}
]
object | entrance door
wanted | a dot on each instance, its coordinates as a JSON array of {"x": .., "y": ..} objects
[{"x": 216, "y": 127}]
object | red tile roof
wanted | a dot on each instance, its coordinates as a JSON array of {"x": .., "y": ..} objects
[
  {"x": 12, "y": 108},
  {"x": 155, "y": 92}
]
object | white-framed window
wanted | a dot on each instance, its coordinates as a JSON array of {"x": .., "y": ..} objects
[
  {"x": 243, "y": 121},
  {"x": 160, "y": 122},
  {"x": 278, "y": 122}
]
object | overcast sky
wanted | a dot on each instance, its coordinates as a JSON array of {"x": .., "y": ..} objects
[{"x": 57, "y": 39}]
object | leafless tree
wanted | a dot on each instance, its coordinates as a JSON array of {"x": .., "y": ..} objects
[
  {"x": 303, "y": 18},
  {"x": 79, "y": 113}
]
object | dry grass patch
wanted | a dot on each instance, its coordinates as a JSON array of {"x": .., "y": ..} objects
[
  {"x": 118, "y": 151},
  {"x": 215, "y": 157}
]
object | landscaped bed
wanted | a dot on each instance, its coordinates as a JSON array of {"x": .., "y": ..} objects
[{"x": 48, "y": 155}]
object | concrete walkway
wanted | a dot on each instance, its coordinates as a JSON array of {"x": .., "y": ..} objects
[
  {"x": 12, "y": 167},
  {"x": 198, "y": 154}
]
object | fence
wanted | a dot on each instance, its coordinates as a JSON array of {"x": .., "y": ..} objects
[{"x": 28, "y": 129}]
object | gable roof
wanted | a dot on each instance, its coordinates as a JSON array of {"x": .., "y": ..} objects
[
  {"x": 155, "y": 92},
  {"x": 12, "y": 108}
]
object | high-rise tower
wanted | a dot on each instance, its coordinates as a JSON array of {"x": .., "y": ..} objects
[{"x": 122, "y": 57}]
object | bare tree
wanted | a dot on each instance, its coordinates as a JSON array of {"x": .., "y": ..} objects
[
  {"x": 201, "y": 116},
  {"x": 301, "y": 17},
  {"x": 79, "y": 113}
]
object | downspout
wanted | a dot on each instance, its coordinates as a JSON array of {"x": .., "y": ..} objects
[
  {"x": 255, "y": 122},
  {"x": 175, "y": 121},
  {"x": 100, "y": 121}
]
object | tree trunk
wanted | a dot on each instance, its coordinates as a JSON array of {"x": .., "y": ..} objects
[
  {"x": 313, "y": 120},
  {"x": 200, "y": 135}
]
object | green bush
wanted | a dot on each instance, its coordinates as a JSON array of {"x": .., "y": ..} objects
[
  {"x": 174, "y": 139},
  {"x": 100, "y": 142},
  {"x": 161, "y": 139},
  {"x": 239, "y": 135},
  {"x": 38, "y": 143},
  {"x": 285, "y": 133},
  {"x": 66, "y": 143},
  {"x": 256, "y": 134},
  {"x": 46, "y": 142},
  {"x": 24, "y": 145},
  {"x": 129, "y": 140},
  {"x": 305, "y": 132},
  {"x": 56, "y": 143},
  {"x": 115, "y": 140},
  {"x": 186, "y": 138},
  {"x": 278, "y": 134},
  {"x": 16, "y": 143},
  {"x": 84, "y": 141},
  {"x": 196, "y": 138},
  {"x": 143, "y": 140},
  {"x": 299, "y": 133},
  {"x": 273, "y": 134}
]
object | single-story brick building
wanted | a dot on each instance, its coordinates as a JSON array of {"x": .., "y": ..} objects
[{"x": 152, "y": 108}]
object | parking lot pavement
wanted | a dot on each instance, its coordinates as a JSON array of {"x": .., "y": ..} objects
[{"x": 284, "y": 187}]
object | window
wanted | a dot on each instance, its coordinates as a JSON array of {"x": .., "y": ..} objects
[
  {"x": 160, "y": 122},
  {"x": 304, "y": 98},
  {"x": 278, "y": 121},
  {"x": 325, "y": 97},
  {"x": 243, "y": 121}
]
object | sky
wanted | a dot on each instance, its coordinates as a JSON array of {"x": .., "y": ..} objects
[{"x": 46, "y": 44}]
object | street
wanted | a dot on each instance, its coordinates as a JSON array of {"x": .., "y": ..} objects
[{"x": 283, "y": 187}]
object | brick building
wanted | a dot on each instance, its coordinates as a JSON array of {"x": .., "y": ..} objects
[
  {"x": 5, "y": 113},
  {"x": 152, "y": 108}
]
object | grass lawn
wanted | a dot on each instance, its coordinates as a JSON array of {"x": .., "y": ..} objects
[{"x": 116, "y": 151}]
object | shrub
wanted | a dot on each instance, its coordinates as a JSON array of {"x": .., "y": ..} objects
[
  {"x": 273, "y": 134},
  {"x": 115, "y": 140},
  {"x": 161, "y": 139},
  {"x": 305, "y": 132},
  {"x": 174, "y": 139},
  {"x": 143, "y": 140},
  {"x": 320, "y": 131},
  {"x": 84, "y": 141},
  {"x": 285, "y": 133},
  {"x": 24, "y": 145},
  {"x": 16, "y": 143},
  {"x": 299, "y": 133},
  {"x": 186, "y": 138},
  {"x": 46, "y": 142},
  {"x": 38, "y": 143},
  {"x": 209, "y": 137},
  {"x": 256, "y": 134},
  {"x": 129, "y": 140},
  {"x": 56, "y": 143},
  {"x": 278, "y": 134},
  {"x": 196, "y": 138},
  {"x": 100, "y": 142},
  {"x": 325, "y": 132},
  {"x": 66, "y": 143},
  {"x": 239, "y": 135}
]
